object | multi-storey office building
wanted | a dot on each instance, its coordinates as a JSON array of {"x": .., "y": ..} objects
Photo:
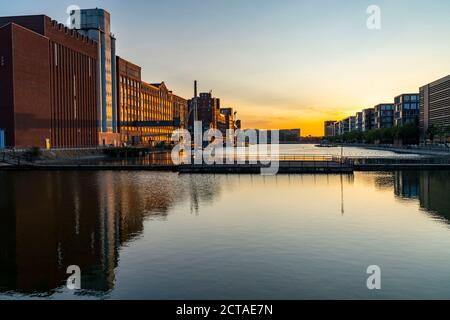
[
  {"x": 160, "y": 108},
  {"x": 406, "y": 109},
  {"x": 48, "y": 84},
  {"x": 147, "y": 113},
  {"x": 368, "y": 121},
  {"x": 435, "y": 105},
  {"x": 96, "y": 24},
  {"x": 129, "y": 101},
  {"x": 384, "y": 116},
  {"x": 359, "y": 121}
]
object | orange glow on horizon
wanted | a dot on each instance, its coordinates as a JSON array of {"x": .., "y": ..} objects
[
  {"x": 308, "y": 127},
  {"x": 310, "y": 124}
]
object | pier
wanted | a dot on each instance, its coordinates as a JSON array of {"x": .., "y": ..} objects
[
  {"x": 298, "y": 164},
  {"x": 286, "y": 165}
]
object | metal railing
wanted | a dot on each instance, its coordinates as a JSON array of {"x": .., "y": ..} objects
[
  {"x": 289, "y": 160},
  {"x": 397, "y": 161}
]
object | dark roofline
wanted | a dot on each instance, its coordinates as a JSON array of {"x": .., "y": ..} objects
[
  {"x": 407, "y": 94},
  {"x": 25, "y": 16},
  {"x": 22, "y": 27},
  {"x": 436, "y": 82}
]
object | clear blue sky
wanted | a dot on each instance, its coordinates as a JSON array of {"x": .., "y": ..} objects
[{"x": 281, "y": 63}]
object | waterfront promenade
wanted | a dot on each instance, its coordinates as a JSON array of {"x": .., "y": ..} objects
[{"x": 420, "y": 150}]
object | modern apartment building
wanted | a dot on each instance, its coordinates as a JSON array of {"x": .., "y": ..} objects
[
  {"x": 48, "y": 84},
  {"x": 359, "y": 121},
  {"x": 345, "y": 125},
  {"x": 406, "y": 109},
  {"x": 435, "y": 105},
  {"x": 368, "y": 120},
  {"x": 352, "y": 124},
  {"x": 96, "y": 25},
  {"x": 329, "y": 128},
  {"x": 337, "y": 128},
  {"x": 383, "y": 116}
]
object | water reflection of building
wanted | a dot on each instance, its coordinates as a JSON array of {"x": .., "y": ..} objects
[
  {"x": 384, "y": 181},
  {"x": 203, "y": 190},
  {"x": 53, "y": 227},
  {"x": 434, "y": 192},
  {"x": 431, "y": 188},
  {"x": 49, "y": 221},
  {"x": 406, "y": 184}
]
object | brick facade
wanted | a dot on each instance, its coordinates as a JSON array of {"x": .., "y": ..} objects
[
  {"x": 25, "y": 83},
  {"x": 48, "y": 84}
]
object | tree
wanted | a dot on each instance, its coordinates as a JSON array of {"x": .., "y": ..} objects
[
  {"x": 372, "y": 135},
  {"x": 432, "y": 132},
  {"x": 387, "y": 135},
  {"x": 409, "y": 133}
]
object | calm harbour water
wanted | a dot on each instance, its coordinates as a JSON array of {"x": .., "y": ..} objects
[
  {"x": 146, "y": 235},
  {"x": 283, "y": 150}
]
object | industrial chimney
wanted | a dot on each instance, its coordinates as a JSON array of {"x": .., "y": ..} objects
[{"x": 195, "y": 89}]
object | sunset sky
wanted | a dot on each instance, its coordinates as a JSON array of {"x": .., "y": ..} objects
[{"x": 279, "y": 63}]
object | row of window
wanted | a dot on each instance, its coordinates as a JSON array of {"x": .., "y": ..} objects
[
  {"x": 137, "y": 104},
  {"x": 407, "y": 106},
  {"x": 407, "y": 98}
]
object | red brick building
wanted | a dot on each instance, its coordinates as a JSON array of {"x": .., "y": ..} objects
[
  {"x": 48, "y": 84},
  {"x": 208, "y": 111}
]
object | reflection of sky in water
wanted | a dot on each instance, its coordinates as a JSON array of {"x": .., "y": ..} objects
[
  {"x": 165, "y": 158},
  {"x": 336, "y": 151},
  {"x": 161, "y": 235}
]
